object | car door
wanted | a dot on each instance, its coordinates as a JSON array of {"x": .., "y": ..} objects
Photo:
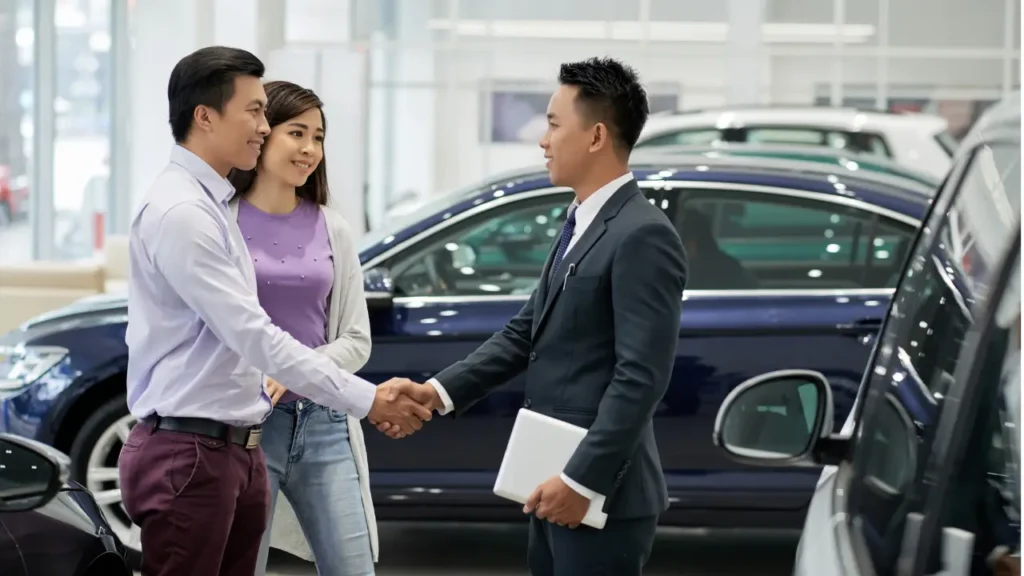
[
  {"x": 905, "y": 419},
  {"x": 968, "y": 513},
  {"x": 778, "y": 278},
  {"x": 455, "y": 286}
]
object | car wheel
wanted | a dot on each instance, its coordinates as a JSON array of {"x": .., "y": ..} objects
[
  {"x": 94, "y": 455},
  {"x": 6, "y": 214}
]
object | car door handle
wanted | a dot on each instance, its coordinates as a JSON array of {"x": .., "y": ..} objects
[{"x": 860, "y": 327}]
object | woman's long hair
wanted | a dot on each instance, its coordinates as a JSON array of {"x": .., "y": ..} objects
[{"x": 285, "y": 101}]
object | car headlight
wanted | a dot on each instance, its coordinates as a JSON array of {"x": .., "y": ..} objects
[{"x": 22, "y": 365}]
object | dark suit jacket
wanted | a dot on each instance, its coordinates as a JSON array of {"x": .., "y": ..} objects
[{"x": 598, "y": 353}]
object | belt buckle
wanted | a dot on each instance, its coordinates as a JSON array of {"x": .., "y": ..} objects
[{"x": 253, "y": 439}]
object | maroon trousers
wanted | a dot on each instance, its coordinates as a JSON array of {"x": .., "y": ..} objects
[{"x": 202, "y": 503}]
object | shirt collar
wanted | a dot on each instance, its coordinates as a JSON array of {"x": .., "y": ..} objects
[
  {"x": 218, "y": 187},
  {"x": 589, "y": 208}
]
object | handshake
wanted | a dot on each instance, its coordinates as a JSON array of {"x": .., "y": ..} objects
[{"x": 401, "y": 406}]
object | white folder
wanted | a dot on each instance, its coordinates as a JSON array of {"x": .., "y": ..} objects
[{"x": 539, "y": 448}]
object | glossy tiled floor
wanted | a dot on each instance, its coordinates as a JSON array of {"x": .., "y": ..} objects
[{"x": 464, "y": 550}]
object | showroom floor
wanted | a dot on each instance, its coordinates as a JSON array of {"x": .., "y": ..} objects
[{"x": 464, "y": 550}]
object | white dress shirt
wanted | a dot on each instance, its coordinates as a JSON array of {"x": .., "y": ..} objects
[
  {"x": 586, "y": 211},
  {"x": 198, "y": 341}
]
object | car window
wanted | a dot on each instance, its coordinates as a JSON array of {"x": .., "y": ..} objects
[
  {"x": 701, "y": 137},
  {"x": 498, "y": 252},
  {"x": 918, "y": 355},
  {"x": 981, "y": 496},
  {"x": 747, "y": 240},
  {"x": 860, "y": 142}
]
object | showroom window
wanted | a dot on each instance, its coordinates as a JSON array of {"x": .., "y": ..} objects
[
  {"x": 745, "y": 241},
  {"x": 498, "y": 253},
  {"x": 17, "y": 71}
]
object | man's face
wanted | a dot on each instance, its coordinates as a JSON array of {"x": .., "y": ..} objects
[
  {"x": 238, "y": 132},
  {"x": 568, "y": 140}
]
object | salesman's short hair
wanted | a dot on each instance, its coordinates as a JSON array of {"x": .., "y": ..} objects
[{"x": 610, "y": 93}]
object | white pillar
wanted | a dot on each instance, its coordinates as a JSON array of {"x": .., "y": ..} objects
[
  {"x": 164, "y": 31},
  {"x": 318, "y": 56},
  {"x": 403, "y": 94},
  {"x": 412, "y": 136},
  {"x": 745, "y": 61}
]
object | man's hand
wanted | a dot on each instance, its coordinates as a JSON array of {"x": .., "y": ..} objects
[
  {"x": 556, "y": 502},
  {"x": 423, "y": 394},
  {"x": 1007, "y": 565},
  {"x": 403, "y": 404},
  {"x": 275, "y": 390}
]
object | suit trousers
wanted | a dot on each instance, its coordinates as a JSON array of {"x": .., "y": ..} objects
[
  {"x": 621, "y": 548},
  {"x": 202, "y": 503}
]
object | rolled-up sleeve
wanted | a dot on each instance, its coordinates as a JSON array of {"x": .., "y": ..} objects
[{"x": 189, "y": 247}]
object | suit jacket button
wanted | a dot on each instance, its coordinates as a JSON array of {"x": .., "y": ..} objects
[
  {"x": 533, "y": 356},
  {"x": 526, "y": 403}
]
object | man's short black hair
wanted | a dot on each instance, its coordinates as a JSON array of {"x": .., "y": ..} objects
[
  {"x": 206, "y": 77},
  {"x": 610, "y": 93}
]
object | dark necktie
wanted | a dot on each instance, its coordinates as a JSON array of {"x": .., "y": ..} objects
[{"x": 563, "y": 241}]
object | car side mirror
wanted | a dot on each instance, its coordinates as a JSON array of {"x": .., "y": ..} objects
[
  {"x": 775, "y": 419},
  {"x": 31, "y": 474},
  {"x": 379, "y": 288}
]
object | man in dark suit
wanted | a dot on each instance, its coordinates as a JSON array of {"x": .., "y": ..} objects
[{"x": 597, "y": 338}]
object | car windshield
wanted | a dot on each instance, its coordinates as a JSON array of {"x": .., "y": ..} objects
[
  {"x": 948, "y": 142},
  {"x": 394, "y": 224}
]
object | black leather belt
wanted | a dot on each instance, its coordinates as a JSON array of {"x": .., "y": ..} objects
[{"x": 247, "y": 437}]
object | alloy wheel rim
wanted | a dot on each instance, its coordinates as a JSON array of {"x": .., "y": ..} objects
[{"x": 101, "y": 478}]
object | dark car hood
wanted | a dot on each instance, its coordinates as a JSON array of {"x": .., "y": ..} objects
[
  {"x": 92, "y": 310},
  {"x": 100, "y": 303}
]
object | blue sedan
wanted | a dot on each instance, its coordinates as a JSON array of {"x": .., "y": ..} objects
[{"x": 791, "y": 264}]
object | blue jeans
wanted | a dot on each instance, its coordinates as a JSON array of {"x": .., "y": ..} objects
[{"x": 309, "y": 458}]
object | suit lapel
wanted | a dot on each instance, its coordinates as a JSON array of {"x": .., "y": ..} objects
[
  {"x": 543, "y": 284},
  {"x": 578, "y": 251}
]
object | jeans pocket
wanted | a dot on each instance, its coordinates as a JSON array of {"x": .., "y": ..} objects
[{"x": 335, "y": 416}]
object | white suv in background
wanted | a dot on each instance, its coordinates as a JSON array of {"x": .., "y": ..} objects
[{"x": 918, "y": 141}]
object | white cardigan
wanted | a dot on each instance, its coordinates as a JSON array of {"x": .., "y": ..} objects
[{"x": 348, "y": 344}]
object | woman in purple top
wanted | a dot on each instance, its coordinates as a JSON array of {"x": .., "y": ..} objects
[{"x": 311, "y": 285}]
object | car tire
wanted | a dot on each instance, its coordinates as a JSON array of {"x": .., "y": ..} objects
[
  {"x": 6, "y": 214},
  {"x": 96, "y": 429}
]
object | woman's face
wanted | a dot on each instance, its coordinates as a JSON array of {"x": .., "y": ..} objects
[{"x": 294, "y": 148}]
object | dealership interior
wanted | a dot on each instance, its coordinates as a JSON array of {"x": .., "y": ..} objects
[{"x": 817, "y": 146}]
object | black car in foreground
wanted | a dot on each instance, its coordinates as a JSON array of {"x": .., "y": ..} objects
[{"x": 48, "y": 525}]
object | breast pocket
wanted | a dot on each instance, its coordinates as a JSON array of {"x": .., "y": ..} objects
[{"x": 581, "y": 283}]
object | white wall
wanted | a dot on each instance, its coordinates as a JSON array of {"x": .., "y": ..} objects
[
  {"x": 464, "y": 67},
  {"x": 461, "y": 158}
]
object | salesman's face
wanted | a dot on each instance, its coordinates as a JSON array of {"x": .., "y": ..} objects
[
  {"x": 568, "y": 139},
  {"x": 239, "y": 129}
]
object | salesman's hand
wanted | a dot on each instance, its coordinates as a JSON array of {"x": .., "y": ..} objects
[
  {"x": 401, "y": 403},
  {"x": 424, "y": 394},
  {"x": 556, "y": 502},
  {"x": 275, "y": 390}
]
